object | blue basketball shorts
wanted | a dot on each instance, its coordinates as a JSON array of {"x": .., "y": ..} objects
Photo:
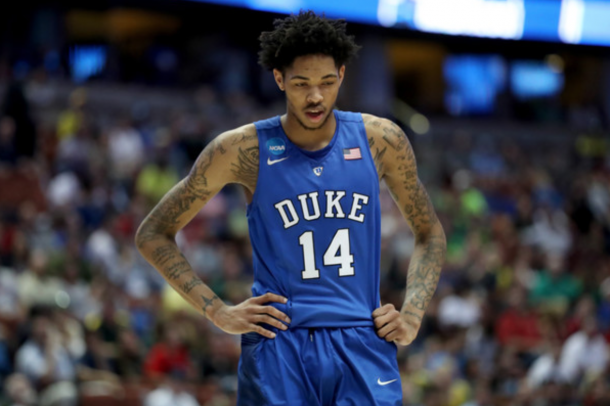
[{"x": 318, "y": 367}]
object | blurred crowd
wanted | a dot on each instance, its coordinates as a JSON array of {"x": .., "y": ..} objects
[{"x": 521, "y": 315}]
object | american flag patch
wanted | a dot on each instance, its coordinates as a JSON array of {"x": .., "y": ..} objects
[{"x": 351, "y": 153}]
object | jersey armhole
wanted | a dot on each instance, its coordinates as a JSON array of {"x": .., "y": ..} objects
[
  {"x": 249, "y": 206},
  {"x": 369, "y": 152}
]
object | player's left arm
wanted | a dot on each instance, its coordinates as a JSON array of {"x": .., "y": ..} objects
[{"x": 396, "y": 164}]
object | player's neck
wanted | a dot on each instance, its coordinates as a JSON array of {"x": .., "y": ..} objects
[{"x": 309, "y": 140}]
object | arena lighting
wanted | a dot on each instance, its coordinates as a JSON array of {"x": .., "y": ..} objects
[
  {"x": 387, "y": 12},
  {"x": 410, "y": 117},
  {"x": 585, "y": 22},
  {"x": 570, "y": 20},
  {"x": 478, "y": 18}
]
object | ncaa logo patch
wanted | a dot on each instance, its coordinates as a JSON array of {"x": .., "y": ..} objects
[
  {"x": 318, "y": 170},
  {"x": 276, "y": 146}
]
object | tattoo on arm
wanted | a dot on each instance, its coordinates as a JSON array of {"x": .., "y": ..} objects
[
  {"x": 197, "y": 182},
  {"x": 161, "y": 255},
  {"x": 149, "y": 231},
  {"x": 208, "y": 303},
  {"x": 177, "y": 269},
  {"x": 424, "y": 273},
  {"x": 409, "y": 313},
  {"x": 188, "y": 286},
  {"x": 378, "y": 159},
  {"x": 395, "y": 137},
  {"x": 377, "y": 152},
  {"x": 246, "y": 169},
  {"x": 163, "y": 219},
  {"x": 245, "y": 137},
  {"x": 428, "y": 257}
]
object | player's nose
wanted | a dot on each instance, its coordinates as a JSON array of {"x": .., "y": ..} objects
[{"x": 315, "y": 96}]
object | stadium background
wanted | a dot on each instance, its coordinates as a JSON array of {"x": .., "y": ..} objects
[{"x": 105, "y": 105}]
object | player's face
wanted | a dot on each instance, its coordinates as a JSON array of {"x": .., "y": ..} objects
[{"x": 311, "y": 84}]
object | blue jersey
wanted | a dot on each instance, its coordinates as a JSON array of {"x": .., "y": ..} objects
[{"x": 314, "y": 224}]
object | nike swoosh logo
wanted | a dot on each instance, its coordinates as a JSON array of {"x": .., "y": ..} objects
[
  {"x": 386, "y": 382},
  {"x": 270, "y": 162}
]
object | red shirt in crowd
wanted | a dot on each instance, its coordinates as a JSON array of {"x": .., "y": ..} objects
[{"x": 520, "y": 329}]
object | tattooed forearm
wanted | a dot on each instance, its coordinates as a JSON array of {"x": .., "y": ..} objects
[
  {"x": 161, "y": 255},
  {"x": 397, "y": 160},
  {"x": 148, "y": 232},
  {"x": 424, "y": 271},
  {"x": 246, "y": 169},
  {"x": 188, "y": 286},
  {"x": 175, "y": 270},
  {"x": 208, "y": 303},
  {"x": 412, "y": 314},
  {"x": 420, "y": 210}
]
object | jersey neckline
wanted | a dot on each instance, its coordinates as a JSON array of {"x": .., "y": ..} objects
[{"x": 320, "y": 153}]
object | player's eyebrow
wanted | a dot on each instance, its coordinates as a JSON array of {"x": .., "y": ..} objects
[{"x": 299, "y": 77}]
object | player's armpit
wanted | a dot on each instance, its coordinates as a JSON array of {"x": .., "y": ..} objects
[{"x": 373, "y": 126}]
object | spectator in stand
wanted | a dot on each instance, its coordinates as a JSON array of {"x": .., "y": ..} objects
[
  {"x": 129, "y": 355},
  {"x": 585, "y": 308},
  {"x": 584, "y": 352},
  {"x": 125, "y": 152},
  {"x": 8, "y": 152},
  {"x": 170, "y": 355},
  {"x": 47, "y": 363},
  {"x": 546, "y": 367},
  {"x": 518, "y": 326},
  {"x": 71, "y": 119},
  {"x": 171, "y": 392},
  {"x": 554, "y": 289},
  {"x": 36, "y": 286},
  {"x": 19, "y": 391},
  {"x": 460, "y": 308},
  {"x": 156, "y": 178},
  {"x": 17, "y": 107}
]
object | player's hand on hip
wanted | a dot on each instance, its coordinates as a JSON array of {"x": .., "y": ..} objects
[
  {"x": 393, "y": 326},
  {"x": 247, "y": 316}
]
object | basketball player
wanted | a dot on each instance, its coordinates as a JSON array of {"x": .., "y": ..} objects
[{"x": 314, "y": 332}]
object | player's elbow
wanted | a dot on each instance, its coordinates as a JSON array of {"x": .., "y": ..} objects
[
  {"x": 141, "y": 237},
  {"x": 147, "y": 233},
  {"x": 434, "y": 235}
]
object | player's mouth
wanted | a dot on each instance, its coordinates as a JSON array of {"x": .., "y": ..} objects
[{"x": 314, "y": 115}]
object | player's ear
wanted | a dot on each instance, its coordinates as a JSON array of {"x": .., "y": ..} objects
[
  {"x": 279, "y": 79},
  {"x": 341, "y": 74}
]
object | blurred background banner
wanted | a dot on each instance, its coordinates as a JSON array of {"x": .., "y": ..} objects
[
  {"x": 571, "y": 21},
  {"x": 104, "y": 106}
]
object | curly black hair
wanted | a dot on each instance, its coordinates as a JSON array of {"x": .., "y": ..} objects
[{"x": 305, "y": 34}]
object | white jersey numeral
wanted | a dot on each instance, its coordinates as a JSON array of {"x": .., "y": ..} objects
[
  {"x": 309, "y": 256},
  {"x": 337, "y": 253}
]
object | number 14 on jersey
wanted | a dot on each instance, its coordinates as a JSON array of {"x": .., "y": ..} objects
[{"x": 337, "y": 253}]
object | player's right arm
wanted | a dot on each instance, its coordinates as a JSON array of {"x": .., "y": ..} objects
[{"x": 230, "y": 158}]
